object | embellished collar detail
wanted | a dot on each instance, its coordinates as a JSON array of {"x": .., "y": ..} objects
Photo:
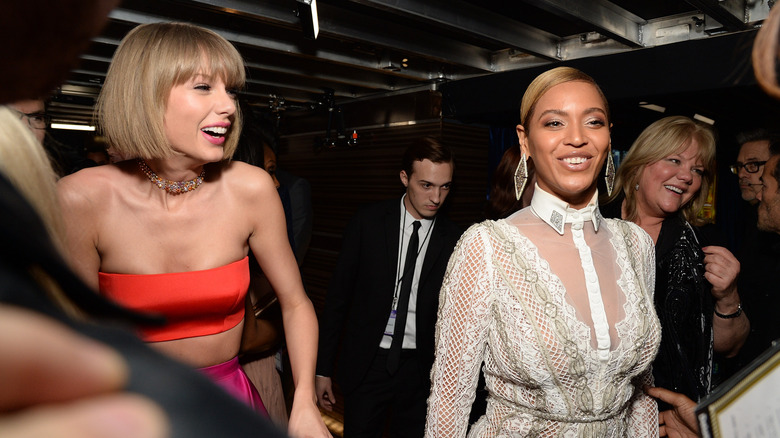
[{"x": 556, "y": 213}]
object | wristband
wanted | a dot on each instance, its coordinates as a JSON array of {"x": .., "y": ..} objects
[{"x": 730, "y": 315}]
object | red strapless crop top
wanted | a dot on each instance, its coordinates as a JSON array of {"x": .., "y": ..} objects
[{"x": 196, "y": 303}]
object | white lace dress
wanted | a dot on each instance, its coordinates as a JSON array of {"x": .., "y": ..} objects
[{"x": 566, "y": 331}]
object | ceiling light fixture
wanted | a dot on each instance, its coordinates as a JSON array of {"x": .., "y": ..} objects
[
  {"x": 307, "y": 12},
  {"x": 704, "y": 119},
  {"x": 72, "y": 127},
  {"x": 652, "y": 107}
]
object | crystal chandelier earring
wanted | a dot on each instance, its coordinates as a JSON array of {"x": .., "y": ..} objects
[
  {"x": 609, "y": 174},
  {"x": 521, "y": 177}
]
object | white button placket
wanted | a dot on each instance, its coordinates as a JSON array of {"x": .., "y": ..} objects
[{"x": 597, "y": 312}]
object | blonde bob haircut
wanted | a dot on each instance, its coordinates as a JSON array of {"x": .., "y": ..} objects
[
  {"x": 150, "y": 61},
  {"x": 547, "y": 80},
  {"x": 665, "y": 137}
]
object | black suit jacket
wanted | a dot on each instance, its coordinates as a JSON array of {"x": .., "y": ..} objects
[{"x": 360, "y": 293}]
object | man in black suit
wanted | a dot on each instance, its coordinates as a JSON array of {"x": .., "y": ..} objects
[
  {"x": 386, "y": 297},
  {"x": 762, "y": 300}
]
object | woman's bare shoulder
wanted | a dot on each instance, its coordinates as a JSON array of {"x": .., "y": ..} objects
[
  {"x": 94, "y": 182},
  {"x": 246, "y": 178}
]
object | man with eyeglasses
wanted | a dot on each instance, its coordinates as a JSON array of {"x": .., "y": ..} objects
[
  {"x": 753, "y": 153},
  {"x": 759, "y": 256},
  {"x": 33, "y": 114}
]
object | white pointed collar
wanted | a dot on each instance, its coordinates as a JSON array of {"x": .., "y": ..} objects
[{"x": 556, "y": 212}]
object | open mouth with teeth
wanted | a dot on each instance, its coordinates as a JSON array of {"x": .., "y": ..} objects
[
  {"x": 215, "y": 131},
  {"x": 674, "y": 189},
  {"x": 575, "y": 160}
]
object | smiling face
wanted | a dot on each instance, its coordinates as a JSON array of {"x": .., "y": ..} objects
[
  {"x": 198, "y": 116},
  {"x": 567, "y": 136},
  {"x": 426, "y": 188},
  {"x": 669, "y": 184}
]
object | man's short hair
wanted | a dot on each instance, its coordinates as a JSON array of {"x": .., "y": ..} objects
[
  {"x": 757, "y": 134},
  {"x": 426, "y": 148}
]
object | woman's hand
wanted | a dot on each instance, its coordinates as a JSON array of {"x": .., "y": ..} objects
[
  {"x": 680, "y": 421},
  {"x": 305, "y": 420},
  {"x": 721, "y": 270}
]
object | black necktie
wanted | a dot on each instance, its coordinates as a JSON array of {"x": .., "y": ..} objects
[{"x": 394, "y": 354}]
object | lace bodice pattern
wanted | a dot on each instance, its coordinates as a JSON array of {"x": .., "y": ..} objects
[{"x": 512, "y": 299}]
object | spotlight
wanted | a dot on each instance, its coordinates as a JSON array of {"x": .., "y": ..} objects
[{"x": 307, "y": 12}]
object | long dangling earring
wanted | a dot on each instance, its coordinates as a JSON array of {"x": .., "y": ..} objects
[
  {"x": 521, "y": 177},
  {"x": 610, "y": 173}
]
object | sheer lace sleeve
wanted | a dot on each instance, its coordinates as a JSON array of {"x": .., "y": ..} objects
[
  {"x": 643, "y": 412},
  {"x": 461, "y": 332}
]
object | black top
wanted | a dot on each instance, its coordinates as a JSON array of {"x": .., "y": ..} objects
[
  {"x": 684, "y": 306},
  {"x": 758, "y": 287}
]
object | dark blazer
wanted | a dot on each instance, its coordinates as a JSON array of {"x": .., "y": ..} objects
[{"x": 360, "y": 293}]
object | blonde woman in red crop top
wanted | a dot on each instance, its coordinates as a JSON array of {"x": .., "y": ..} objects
[{"x": 169, "y": 230}]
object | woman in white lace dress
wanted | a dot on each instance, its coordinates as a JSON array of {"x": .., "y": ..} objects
[{"x": 555, "y": 300}]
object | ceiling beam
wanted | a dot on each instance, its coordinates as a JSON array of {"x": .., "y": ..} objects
[
  {"x": 607, "y": 18},
  {"x": 323, "y": 53},
  {"x": 729, "y": 13},
  {"x": 465, "y": 17},
  {"x": 341, "y": 24}
]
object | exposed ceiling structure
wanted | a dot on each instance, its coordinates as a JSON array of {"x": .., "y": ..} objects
[{"x": 371, "y": 48}]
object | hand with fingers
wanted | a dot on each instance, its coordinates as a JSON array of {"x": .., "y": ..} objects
[
  {"x": 680, "y": 421},
  {"x": 57, "y": 384}
]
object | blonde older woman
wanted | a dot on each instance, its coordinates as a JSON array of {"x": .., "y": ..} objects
[{"x": 663, "y": 183}]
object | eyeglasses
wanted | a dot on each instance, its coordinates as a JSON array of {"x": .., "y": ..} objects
[
  {"x": 750, "y": 166},
  {"x": 35, "y": 120}
]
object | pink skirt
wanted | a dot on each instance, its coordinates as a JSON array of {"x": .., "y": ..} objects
[{"x": 230, "y": 376}]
